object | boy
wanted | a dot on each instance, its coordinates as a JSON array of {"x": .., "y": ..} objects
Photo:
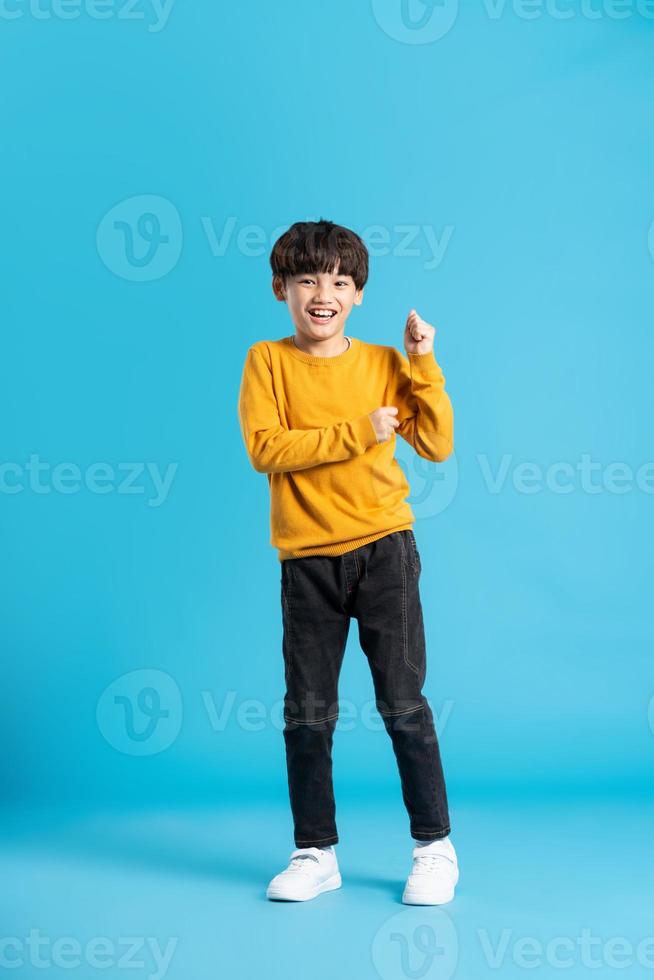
[{"x": 319, "y": 413}]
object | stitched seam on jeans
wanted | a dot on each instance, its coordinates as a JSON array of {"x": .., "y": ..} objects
[
  {"x": 289, "y": 605},
  {"x": 405, "y": 639},
  {"x": 432, "y": 761},
  {"x": 413, "y": 548},
  {"x": 400, "y": 711},
  {"x": 284, "y": 618},
  {"x": 405, "y": 617},
  {"x": 428, "y": 830},
  {"x": 314, "y": 721},
  {"x": 405, "y": 624}
]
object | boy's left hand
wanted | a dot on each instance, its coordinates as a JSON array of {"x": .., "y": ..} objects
[{"x": 418, "y": 335}]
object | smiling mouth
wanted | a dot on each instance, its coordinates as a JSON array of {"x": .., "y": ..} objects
[{"x": 323, "y": 315}]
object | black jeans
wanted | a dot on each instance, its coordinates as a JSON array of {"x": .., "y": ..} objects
[{"x": 377, "y": 584}]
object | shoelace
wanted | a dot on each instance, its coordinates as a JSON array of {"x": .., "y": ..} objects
[{"x": 429, "y": 862}]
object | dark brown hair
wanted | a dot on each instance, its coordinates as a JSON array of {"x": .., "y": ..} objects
[{"x": 318, "y": 246}]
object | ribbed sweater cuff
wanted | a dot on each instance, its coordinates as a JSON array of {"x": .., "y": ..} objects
[
  {"x": 425, "y": 365},
  {"x": 365, "y": 431}
]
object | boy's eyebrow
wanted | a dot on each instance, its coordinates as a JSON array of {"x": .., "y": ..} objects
[{"x": 335, "y": 275}]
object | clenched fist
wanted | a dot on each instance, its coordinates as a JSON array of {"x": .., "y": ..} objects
[
  {"x": 418, "y": 334},
  {"x": 383, "y": 422}
]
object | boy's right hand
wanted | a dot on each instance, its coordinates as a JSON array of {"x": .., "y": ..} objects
[{"x": 383, "y": 422}]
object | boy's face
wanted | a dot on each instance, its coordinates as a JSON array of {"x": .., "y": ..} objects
[{"x": 309, "y": 293}]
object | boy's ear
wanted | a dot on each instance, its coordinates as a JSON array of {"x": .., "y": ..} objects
[
  {"x": 278, "y": 289},
  {"x": 358, "y": 296}
]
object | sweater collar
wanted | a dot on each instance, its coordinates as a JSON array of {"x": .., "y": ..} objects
[{"x": 323, "y": 361}]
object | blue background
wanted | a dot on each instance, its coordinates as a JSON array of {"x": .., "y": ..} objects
[{"x": 522, "y": 144}]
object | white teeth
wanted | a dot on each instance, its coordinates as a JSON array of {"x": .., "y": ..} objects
[{"x": 324, "y": 314}]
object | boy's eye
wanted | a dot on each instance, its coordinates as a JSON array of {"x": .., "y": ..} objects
[{"x": 340, "y": 282}]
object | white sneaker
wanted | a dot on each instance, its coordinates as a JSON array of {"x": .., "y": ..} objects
[
  {"x": 434, "y": 874},
  {"x": 311, "y": 871}
]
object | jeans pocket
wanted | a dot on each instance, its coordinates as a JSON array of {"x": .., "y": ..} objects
[
  {"x": 412, "y": 553},
  {"x": 415, "y": 552}
]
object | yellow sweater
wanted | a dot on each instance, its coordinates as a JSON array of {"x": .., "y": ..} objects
[{"x": 305, "y": 424}]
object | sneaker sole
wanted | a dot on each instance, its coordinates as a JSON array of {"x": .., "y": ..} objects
[
  {"x": 413, "y": 898},
  {"x": 277, "y": 894}
]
